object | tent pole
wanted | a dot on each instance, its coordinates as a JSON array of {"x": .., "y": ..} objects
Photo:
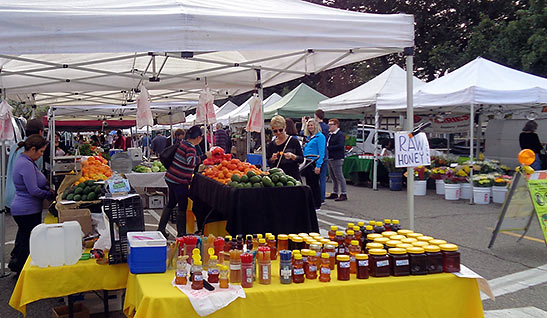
[
  {"x": 363, "y": 132},
  {"x": 171, "y": 125},
  {"x": 375, "y": 167},
  {"x": 262, "y": 130},
  {"x": 479, "y": 136},
  {"x": 409, "y": 126},
  {"x": 3, "y": 272},
  {"x": 148, "y": 139},
  {"x": 51, "y": 147},
  {"x": 471, "y": 137}
]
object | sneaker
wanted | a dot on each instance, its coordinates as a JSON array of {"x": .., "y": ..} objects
[
  {"x": 342, "y": 197},
  {"x": 332, "y": 196}
]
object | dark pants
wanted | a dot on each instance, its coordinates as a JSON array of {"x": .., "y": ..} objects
[
  {"x": 312, "y": 180},
  {"x": 178, "y": 194},
  {"x": 21, "y": 249}
]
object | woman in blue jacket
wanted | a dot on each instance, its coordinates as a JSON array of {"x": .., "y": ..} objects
[{"x": 314, "y": 144}]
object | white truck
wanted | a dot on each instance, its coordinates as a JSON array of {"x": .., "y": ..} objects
[{"x": 368, "y": 145}]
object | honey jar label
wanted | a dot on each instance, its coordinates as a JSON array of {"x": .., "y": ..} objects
[
  {"x": 235, "y": 267},
  {"x": 382, "y": 263},
  {"x": 344, "y": 264},
  {"x": 402, "y": 262},
  {"x": 313, "y": 268},
  {"x": 198, "y": 278},
  {"x": 298, "y": 271},
  {"x": 265, "y": 272},
  {"x": 363, "y": 263},
  {"x": 286, "y": 272},
  {"x": 325, "y": 270}
]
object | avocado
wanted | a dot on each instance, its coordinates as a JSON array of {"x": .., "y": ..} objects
[
  {"x": 275, "y": 177},
  {"x": 70, "y": 197},
  {"x": 255, "y": 179},
  {"x": 275, "y": 170},
  {"x": 290, "y": 184},
  {"x": 248, "y": 185},
  {"x": 91, "y": 196},
  {"x": 77, "y": 197},
  {"x": 257, "y": 185},
  {"x": 267, "y": 182},
  {"x": 283, "y": 179},
  {"x": 235, "y": 178},
  {"x": 279, "y": 184},
  {"x": 79, "y": 190},
  {"x": 250, "y": 174}
]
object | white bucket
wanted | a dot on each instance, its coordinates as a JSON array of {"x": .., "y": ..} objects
[
  {"x": 481, "y": 195},
  {"x": 498, "y": 194},
  {"x": 420, "y": 187},
  {"x": 466, "y": 192},
  {"x": 439, "y": 186},
  {"x": 452, "y": 191}
]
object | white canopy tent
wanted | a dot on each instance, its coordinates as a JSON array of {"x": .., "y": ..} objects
[
  {"x": 241, "y": 114},
  {"x": 479, "y": 83},
  {"x": 225, "y": 109},
  {"x": 101, "y": 52},
  {"x": 362, "y": 100}
]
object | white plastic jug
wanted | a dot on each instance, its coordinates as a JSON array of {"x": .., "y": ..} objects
[{"x": 56, "y": 244}]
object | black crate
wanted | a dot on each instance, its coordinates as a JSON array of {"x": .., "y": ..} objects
[{"x": 124, "y": 216}]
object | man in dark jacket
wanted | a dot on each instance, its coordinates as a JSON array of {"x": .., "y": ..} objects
[{"x": 335, "y": 145}]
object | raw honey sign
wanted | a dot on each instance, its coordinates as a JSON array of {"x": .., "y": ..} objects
[
  {"x": 411, "y": 151},
  {"x": 524, "y": 197}
]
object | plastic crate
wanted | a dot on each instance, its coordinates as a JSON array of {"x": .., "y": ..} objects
[{"x": 124, "y": 216}]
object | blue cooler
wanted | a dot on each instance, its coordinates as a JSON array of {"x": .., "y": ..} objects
[{"x": 147, "y": 252}]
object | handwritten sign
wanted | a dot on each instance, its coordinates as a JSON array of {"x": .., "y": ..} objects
[{"x": 411, "y": 152}]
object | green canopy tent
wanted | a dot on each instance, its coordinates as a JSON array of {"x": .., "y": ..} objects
[{"x": 301, "y": 101}]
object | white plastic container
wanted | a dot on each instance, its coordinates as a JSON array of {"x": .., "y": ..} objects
[
  {"x": 420, "y": 187},
  {"x": 56, "y": 244},
  {"x": 439, "y": 186},
  {"x": 452, "y": 191},
  {"x": 466, "y": 192},
  {"x": 498, "y": 194},
  {"x": 481, "y": 195}
]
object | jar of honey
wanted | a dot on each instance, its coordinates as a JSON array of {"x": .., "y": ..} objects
[
  {"x": 414, "y": 235},
  {"x": 404, "y": 232},
  {"x": 343, "y": 269},
  {"x": 395, "y": 226},
  {"x": 418, "y": 261},
  {"x": 404, "y": 245},
  {"x": 400, "y": 265},
  {"x": 424, "y": 238},
  {"x": 392, "y": 243},
  {"x": 421, "y": 244},
  {"x": 371, "y": 246},
  {"x": 282, "y": 242},
  {"x": 372, "y": 237},
  {"x": 298, "y": 275},
  {"x": 362, "y": 266},
  {"x": 330, "y": 250},
  {"x": 379, "y": 227},
  {"x": 397, "y": 237},
  {"x": 298, "y": 242},
  {"x": 378, "y": 263},
  {"x": 285, "y": 267},
  {"x": 354, "y": 249},
  {"x": 332, "y": 232},
  {"x": 382, "y": 240},
  {"x": 434, "y": 259},
  {"x": 324, "y": 268},
  {"x": 409, "y": 240},
  {"x": 388, "y": 234},
  {"x": 368, "y": 230},
  {"x": 451, "y": 258},
  {"x": 437, "y": 242},
  {"x": 340, "y": 238}
]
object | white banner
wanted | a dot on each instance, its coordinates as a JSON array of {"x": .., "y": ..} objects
[
  {"x": 411, "y": 152},
  {"x": 448, "y": 124}
]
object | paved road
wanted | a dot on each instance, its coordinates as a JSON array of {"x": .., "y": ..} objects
[{"x": 513, "y": 268}]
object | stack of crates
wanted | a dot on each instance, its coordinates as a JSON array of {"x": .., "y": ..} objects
[{"x": 126, "y": 215}]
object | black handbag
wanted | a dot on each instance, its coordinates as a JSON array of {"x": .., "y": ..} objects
[{"x": 168, "y": 154}]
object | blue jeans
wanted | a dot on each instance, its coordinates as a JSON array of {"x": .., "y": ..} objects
[
  {"x": 536, "y": 165},
  {"x": 323, "y": 180}
]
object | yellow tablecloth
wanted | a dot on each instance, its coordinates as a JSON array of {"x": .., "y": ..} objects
[
  {"x": 37, "y": 283},
  {"x": 438, "y": 295}
]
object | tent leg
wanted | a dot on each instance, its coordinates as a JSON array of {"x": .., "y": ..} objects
[
  {"x": 479, "y": 136},
  {"x": 262, "y": 130},
  {"x": 52, "y": 147},
  {"x": 471, "y": 137},
  {"x": 409, "y": 126},
  {"x": 375, "y": 167},
  {"x": 148, "y": 139},
  {"x": 3, "y": 272}
]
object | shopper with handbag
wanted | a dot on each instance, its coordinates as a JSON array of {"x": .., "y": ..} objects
[
  {"x": 178, "y": 178},
  {"x": 315, "y": 144},
  {"x": 284, "y": 151}
]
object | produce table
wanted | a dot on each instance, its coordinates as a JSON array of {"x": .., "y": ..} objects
[
  {"x": 358, "y": 170},
  {"x": 438, "y": 295},
  {"x": 255, "y": 210},
  {"x": 37, "y": 283},
  {"x": 147, "y": 180}
]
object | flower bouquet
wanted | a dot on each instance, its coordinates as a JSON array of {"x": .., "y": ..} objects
[{"x": 483, "y": 181}]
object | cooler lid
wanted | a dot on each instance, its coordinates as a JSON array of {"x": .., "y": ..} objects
[{"x": 144, "y": 239}]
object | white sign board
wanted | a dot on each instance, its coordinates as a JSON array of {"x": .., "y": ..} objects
[
  {"x": 411, "y": 152},
  {"x": 449, "y": 124}
]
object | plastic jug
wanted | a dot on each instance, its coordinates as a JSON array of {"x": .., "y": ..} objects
[{"x": 56, "y": 244}]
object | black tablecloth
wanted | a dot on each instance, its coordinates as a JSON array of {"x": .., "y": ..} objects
[{"x": 255, "y": 210}]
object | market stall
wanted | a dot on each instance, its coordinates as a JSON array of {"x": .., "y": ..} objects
[
  {"x": 276, "y": 210},
  {"x": 358, "y": 169}
]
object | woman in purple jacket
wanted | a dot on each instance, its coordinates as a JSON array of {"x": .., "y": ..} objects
[{"x": 31, "y": 188}]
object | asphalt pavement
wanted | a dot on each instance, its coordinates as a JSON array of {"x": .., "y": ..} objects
[{"x": 516, "y": 270}]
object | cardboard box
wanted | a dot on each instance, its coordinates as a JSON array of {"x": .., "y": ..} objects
[
  {"x": 82, "y": 216},
  {"x": 155, "y": 200},
  {"x": 80, "y": 311},
  {"x": 94, "y": 303}
]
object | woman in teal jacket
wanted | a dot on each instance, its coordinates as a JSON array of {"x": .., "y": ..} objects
[{"x": 314, "y": 144}]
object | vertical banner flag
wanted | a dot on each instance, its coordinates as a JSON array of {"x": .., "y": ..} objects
[
  {"x": 205, "y": 112},
  {"x": 411, "y": 151},
  {"x": 144, "y": 114},
  {"x": 255, "y": 115}
]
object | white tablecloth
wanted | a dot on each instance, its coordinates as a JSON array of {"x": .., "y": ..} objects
[{"x": 147, "y": 180}]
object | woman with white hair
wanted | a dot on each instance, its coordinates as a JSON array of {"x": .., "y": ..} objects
[
  {"x": 314, "y": 144},
  {"x": 284, "y": 151}
]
